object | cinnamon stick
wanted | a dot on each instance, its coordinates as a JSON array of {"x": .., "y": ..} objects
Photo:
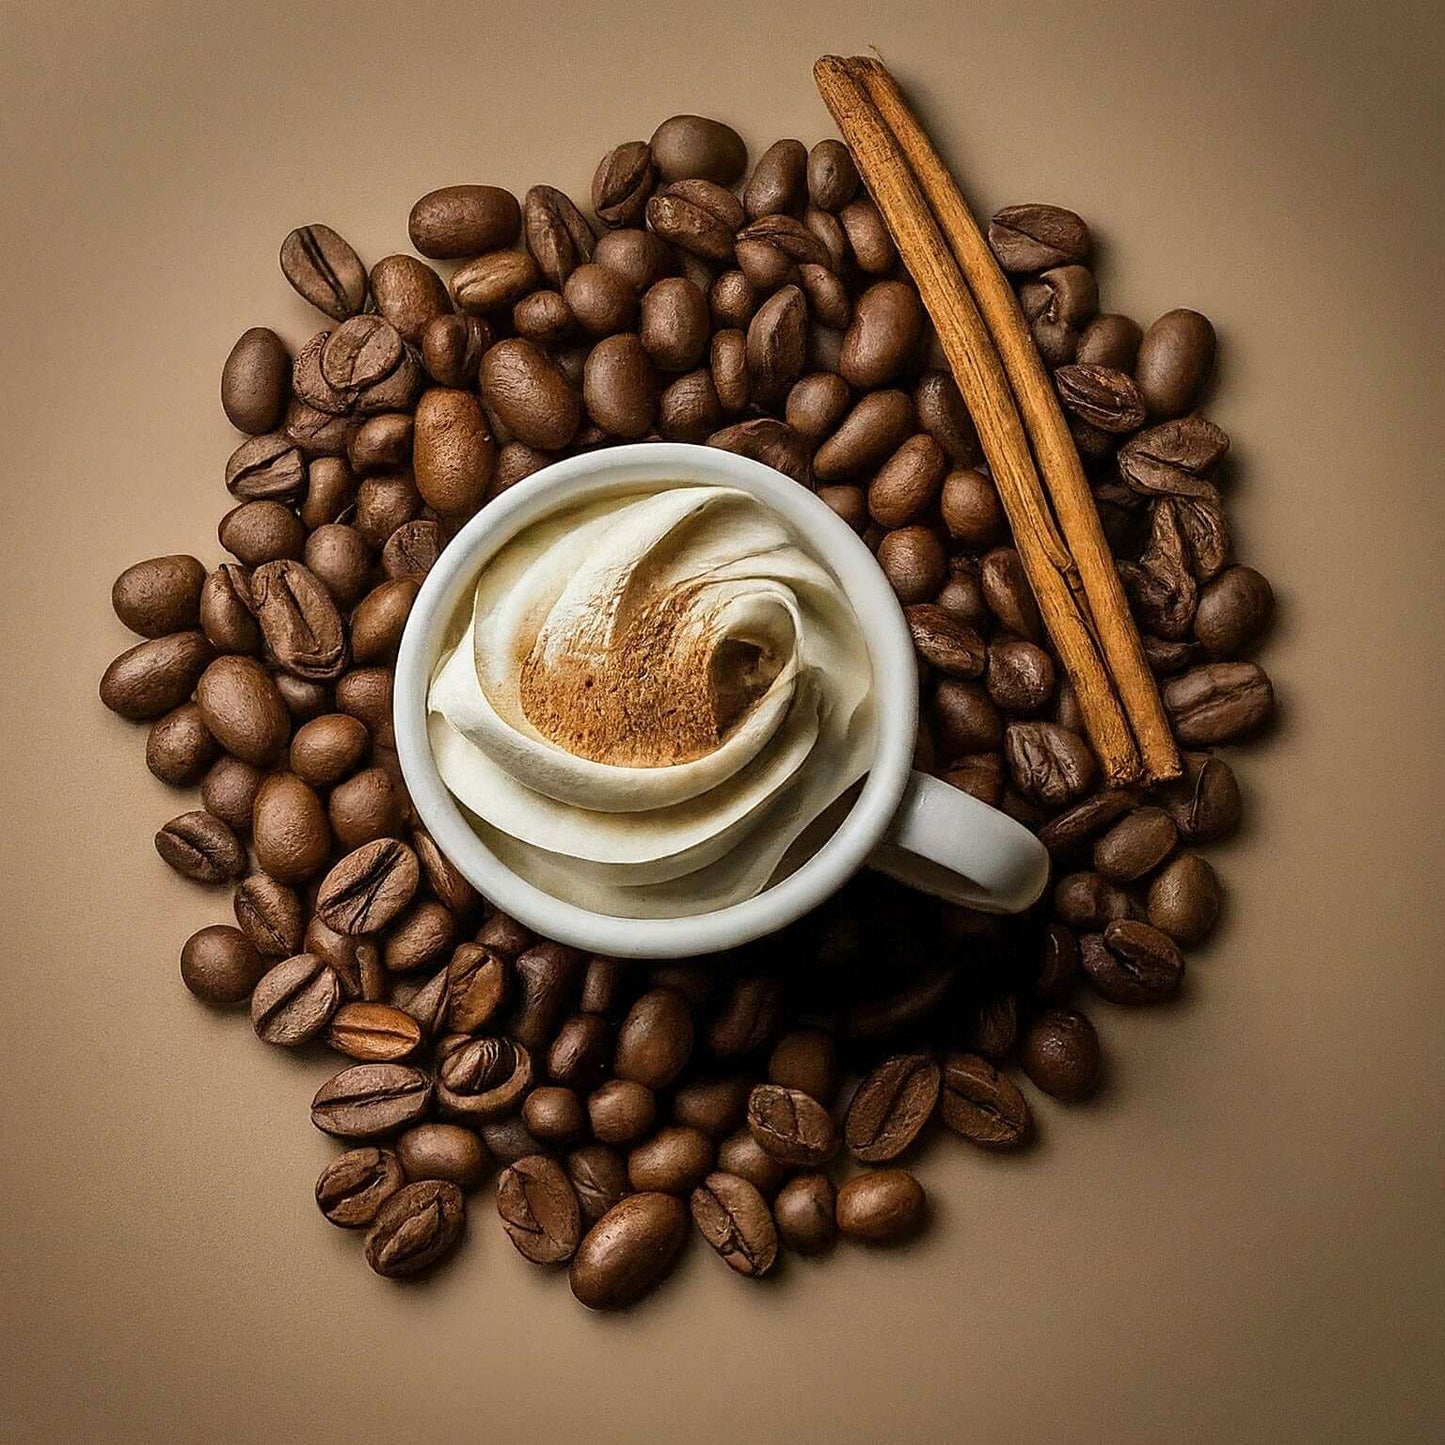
[
  {"x": 978, "y": 370},
  {"x": 1054, "y": 450}
]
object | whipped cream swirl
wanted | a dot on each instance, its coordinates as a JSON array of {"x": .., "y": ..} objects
[{"x": 652, "y": 699}]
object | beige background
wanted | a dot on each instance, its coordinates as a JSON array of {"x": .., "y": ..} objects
[{"x": 1241, "y": 1240}]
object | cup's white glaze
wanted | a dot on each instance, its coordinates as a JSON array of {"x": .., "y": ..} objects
[{"x": 916, "y": 828}]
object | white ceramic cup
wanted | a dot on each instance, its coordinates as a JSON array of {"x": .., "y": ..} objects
[{"x": 916, "y": 828}]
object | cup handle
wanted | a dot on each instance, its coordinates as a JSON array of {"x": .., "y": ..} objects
[{"x": 946, "y": 842}]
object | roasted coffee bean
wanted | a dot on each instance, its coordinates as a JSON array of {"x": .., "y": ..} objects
[
  {"x": 881, "y": 1206},
  {"x": 373, "y": 1032},
  {"x": 1020, "y": 676},
  {"x": 493, "y": 282},
  {"x": 1060, "y": 1054},
  {"x": 580, "y": 1054},
  {"x": 1058, "y": 962},
  {"x": 979, "y": 774},
  {"x": 849, "y": 503},
  {"x": 1184, "y": 900},
  {"x": 179, "y": 747},
  {"x": 832, "y": 176},
  {"x": 506, "y": 935},
  {"x": 1111, "y": 341},
  {"x": 805, "y": 1213},
  {"x": 155, "y": 676},
  {"x": 715, "y": 1106},
  {"x": 971, "y": 509},
  {"x": 868, "y": 237},
  {"x": 309, "y": 382},
  {"x": 695, "y": 981},
  {"x": 967, "y": 720},
  {"x": 1132, "y": 962},
  {"x": 779, "y": 180},
  {"x": 943, "y": 415},
  {"x": 556, "y": 233},
  {"x": 734, "y": 1219},
  {"x": 621, "y": 1111},
  {"x": 483, "y": 1079},
  {"x": 774, "y": 443},
  {"x": 304, "y": 700},
  {"x": 354, "y": 960},
  {"x": 1103, "y": 397},
  {"x": 1174, "y": 459},
  {"x": 354, "y": 1186},
  {"x": 816, "y": 404},
  {"x": 684, "y": 146},
  {"x": 983, "y": 1105},
  {"x": 674, "y": 326},
  {"x": 417, "y": 1227},
  {"x": 412, "y": 549},
  {"x": 339, "y": 557},
  {"x": 425, "y": 999},
  {"x": 529, "y": 395},
  {"x": 442, "y": 877},
  {"x": 1009, "y": 596},
  {"x": 654, "y": 1042},
  {"x": 828, "y": 301},
  {"x": 555, "y": 1115},
  {"x": 1048, "y": 763},
  {"x": 689, "y": 409},
  {"x": 624, "y": 179},
  {"x": 420, "y": 937},
  {"x": 451, "y": 351},
  {"x": 697, "y": 217},
  {"x": 458, "y": 221},
  {"x": 289, "y": 830},
  {"x": 1062, "y": 834},
  {"x": 804, "y": 1060},
  {"x": 601, "y": 301},
  {"x": 515, "y": 462},
  {"x": 201, "y": 848},
  {"x": 330, "y": 491},
  {"x": 365, "y": 693},
  {"x": 1036, "y": 237},
  {"x": 1175, "y": 359},
  {"x": 550, "y": 978},
  {"x": 408, "y": 294},
  {"x": 539, "y": 1210},
  {"x": 226, "y": 616},
  {"x": 299, "y": 622},
  {"x": 453, "y": 451},
  {"x": 365, "y": 890},
  {"x": 159, "y": 596},
  {"x": 1234, "y": 609},
  {"x": 257, "y": 532},
  {"x": 829, "y": 230},
  {"x": 636, "y": 254},
  {"x": 1066, "y": 297},
  {"x": 294, "y": 1001},
  {"x": 324, "y": 270},
  {"x": 791, "y": 1126},
  {"x": 243, "y": 710},
  {"x": 1205, "y": 804},
  {"x": 357, "y": 355},
  {"x": 873, "y": 430},
  {"x": 599, "y": 1178},
  {"x": 1137, "y": 844},
  {"x": 628, "y": 1251},
  {"x": 732, "y": 300},
  {"x": 747, "y": 1018},
  {"x": 229, "y": 791},
  {"x": 1218, "y": 703},
  {"x": 1087, "y": 901},
  {"x": 328, "y": 749},
  {"x": 883, "y": 335},
  {"x": 788, "y": 240},
  {"x": 442, "y": 1151},
  {"x": 508, "y": 1139},
  {"x": 728, "y": 360},
  {"x": 908, "y": 483},
  {"x": 673, "y": 1161},
  {"x": 220, "y": 965},
  {"x": 914, "y": 561},
  {"x": 741, "y": 1154},
  {"x": 255, "y": 381},
  {"x": 995, "y": 1026},
  {"x": 478, "y": 984},
  {"x": 270, "y": 915},
  {"x": 620, "y": 386},
  {"x": 890, "y": 1108},
  {"x": 1161, "y": 585}
]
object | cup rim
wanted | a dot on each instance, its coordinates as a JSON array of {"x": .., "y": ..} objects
[{"x": 885, "y": 633}]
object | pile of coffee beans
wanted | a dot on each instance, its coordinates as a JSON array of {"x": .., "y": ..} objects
[{"x": 765, "y": 1097}]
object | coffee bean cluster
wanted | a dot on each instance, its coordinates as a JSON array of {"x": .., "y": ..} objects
[{"x": 612, "y": 1100}]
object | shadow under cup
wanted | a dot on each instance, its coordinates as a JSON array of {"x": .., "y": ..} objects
[{"x": 821, "y": 859}]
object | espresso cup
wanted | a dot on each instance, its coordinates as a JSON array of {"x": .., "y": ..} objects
[{"x": 902, "y": 822}]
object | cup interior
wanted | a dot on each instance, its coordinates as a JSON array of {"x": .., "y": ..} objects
[{"x": 820, "y": 531}]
